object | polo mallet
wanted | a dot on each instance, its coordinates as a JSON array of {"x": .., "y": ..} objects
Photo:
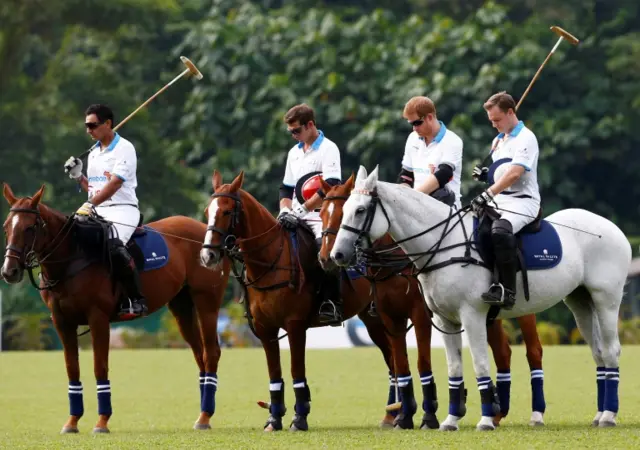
[
  {"x": 191, "y": 68},
  {"x": 563, "y": 35},
  {"x": 398, "y": 404}
]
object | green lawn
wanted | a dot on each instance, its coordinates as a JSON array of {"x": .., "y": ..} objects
[{"x": 155, "y": 398}]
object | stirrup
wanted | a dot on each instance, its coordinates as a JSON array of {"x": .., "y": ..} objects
[
  {"x": 131, "y": 312},
  {"x": 330, "y": 317},
  {"x": 490, "y": 297}
]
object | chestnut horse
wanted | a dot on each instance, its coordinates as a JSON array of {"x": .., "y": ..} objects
[
  {"x": 281, "y": 289},
  {"x": 81, "y": 293},
  {"x": 395, "y": 308}
]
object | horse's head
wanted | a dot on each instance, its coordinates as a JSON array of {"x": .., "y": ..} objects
[
  {"x": 22, "y": 228},
  {"x": 361, "y": 218},
  {"x": 331, "y": 215},
  {"x": 223, "y": 215}
]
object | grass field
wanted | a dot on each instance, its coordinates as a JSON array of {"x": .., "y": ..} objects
[{"x": 155, "y": 399}]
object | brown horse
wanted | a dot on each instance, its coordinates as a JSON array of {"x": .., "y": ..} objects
[
  {"x": 395, "y": 308},
  {"x": 81, "y": 293},
  {"x": 281, "y": 281}
]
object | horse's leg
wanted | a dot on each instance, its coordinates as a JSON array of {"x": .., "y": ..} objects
[
  {"x": 474, "y": 324},
  {"x": 69, "y": 337},
  {"x": 100, "y": 331},
  {"x": 277, "y": 408},
  {"x": 607, "y": 310},
  {"x": 422, "y": 327},
  {"x": 184, "y": 312},
  {"x": 457, "y": 391},
  {"x": 378, "y": 336},
  {"x": 297, "y": 341},
  {"x": 207, "y": 310},
  {"x": 534, "y": 356},
  {"x": 501, "y": 350}
]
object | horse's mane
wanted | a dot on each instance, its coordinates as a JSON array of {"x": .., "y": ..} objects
[{"x": 244, "y": 195}]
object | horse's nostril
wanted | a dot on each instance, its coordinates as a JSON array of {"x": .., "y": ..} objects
[{"x": 339, "y": 256}]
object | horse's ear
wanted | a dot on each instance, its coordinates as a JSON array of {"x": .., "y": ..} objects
[
  {"x": 373, "y": 176},
  {"x": 237, "y": 183},
  {"x": 8, "y": 194},
  {"x": 216, "y": 180},
  {"x": 350, "y": 182},
  {"x": 326, "y": 187},
  {"x": 362, "y": 174},
  {"x": 37, "y": 197}
]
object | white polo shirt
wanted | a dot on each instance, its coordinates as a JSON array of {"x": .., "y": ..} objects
[
  {"x": 423, "y": 159},
  {"x": 521, "y": 147},
  {"x": 117, "y": 160},
  {"x": 323, "y": 156}
]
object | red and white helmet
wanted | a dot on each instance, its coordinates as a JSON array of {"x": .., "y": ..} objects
[{"x": 307, "y": 186}]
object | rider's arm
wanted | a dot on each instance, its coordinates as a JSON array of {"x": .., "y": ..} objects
[
  {"x": 451, "y": 158},
  {"x": 107, "y": 191},
  {"x": 523, "y": 160},
  {"x": 83, "y": 183},
  {"x": 315, "y": 202},
  {"x": 288, "y": 185}
]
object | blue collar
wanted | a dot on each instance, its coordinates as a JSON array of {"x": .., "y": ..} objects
[
  {"x": 111, "y": 146},
  {"x": 438, "y": 137},
  {"x": 316, "y": 144},
  {"x": 516, "y": 130}
]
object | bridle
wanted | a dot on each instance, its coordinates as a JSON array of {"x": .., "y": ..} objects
[
  {"x": 371, "y": 212},
  {"x": 228, "y": 238},
  {"x": 26, "y": 259},
  {"x": 332, "y": 231}
]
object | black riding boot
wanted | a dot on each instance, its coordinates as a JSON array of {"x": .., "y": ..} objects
[
  {"x": 331, "y": 308},
  {"x": 504, "y": 242},
  {"x": 127, "y": 274}
]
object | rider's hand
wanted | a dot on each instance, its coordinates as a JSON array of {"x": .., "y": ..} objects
[
  {"x": 481, "y": 201},
  {"x": 480, "y": 173},
  {"x": 73, "y": 167},
  {"x": 86, "y": 210},
  {"x": 300, "y": 211},
  {"x": 287, "y": 219}
]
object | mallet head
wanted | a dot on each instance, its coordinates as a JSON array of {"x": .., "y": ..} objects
[
  {"x": 192, "y": 67},
  {"x": 565, "y": 34}
]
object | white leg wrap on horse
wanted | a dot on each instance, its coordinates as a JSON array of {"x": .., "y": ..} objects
[
  {"x": 536, "y": 419},
  {"x": 485, "y": 424},
  {"x": 608, "y": 419},
  {"x": 450, "y": 423}
]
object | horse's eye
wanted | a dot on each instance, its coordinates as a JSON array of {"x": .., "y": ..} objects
[
  {"x": 360, "y": 210},
  {"x": 226, "y": 213}
]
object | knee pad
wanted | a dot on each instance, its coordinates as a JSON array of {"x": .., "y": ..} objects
[{"x": 502, "y": 234}]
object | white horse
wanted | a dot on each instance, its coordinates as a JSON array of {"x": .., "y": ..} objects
[{"x": 590, "y": 278}]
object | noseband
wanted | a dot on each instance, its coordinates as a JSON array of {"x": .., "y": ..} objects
[
  {"x": 19, "y": 254},
  {"x": 228, "y": 239}
]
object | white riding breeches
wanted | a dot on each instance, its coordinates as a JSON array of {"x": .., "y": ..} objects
[
  {"x": 314, "y": 221},
  {"x": 519, "y": 212},
  {"x": 125, "y": 219}
]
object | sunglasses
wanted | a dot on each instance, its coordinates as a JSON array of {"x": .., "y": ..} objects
[
  {"x": 417, "y": 123},
  {"x": 295, "y": 130},
  {"x": 92, "y": 125}
]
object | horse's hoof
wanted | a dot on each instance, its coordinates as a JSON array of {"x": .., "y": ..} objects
[
  {"x": 273, "y": 424},
  {"x": 485, "y": 424},
  {"x": 605, "y": 424},
  {"x": 201, "y": 426},
  {"x": 98, "y": 430},
  {"x": 448, "y": 427},
  {"x": 69, "y": 430},
  {"x": 596, "y": 420},
  {"x": 536, "y": 419},
  {"x": 403, "y": 422},
  {"x": 299, "y": 423},
  {"x": 429, "y": 422}
]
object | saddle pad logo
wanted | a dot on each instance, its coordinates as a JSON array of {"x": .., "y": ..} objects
[{"x": 154, "y": 249}]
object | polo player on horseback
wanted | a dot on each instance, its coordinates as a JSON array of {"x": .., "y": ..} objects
[
  {"x": 111, "y": 184},
  {"x": 312, "y": 157},
  {"x": 514, "y": 190},
  {"x": 432, "y": 161}
]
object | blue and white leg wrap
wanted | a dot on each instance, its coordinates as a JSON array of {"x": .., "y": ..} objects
[
  {"x": 394, "y": 395},
  {"x": 201, "y": 387},
  {"x": 538, "y": 403},
  {"x": 209, "y": 393},
  {"x": 429, "y": 394},
  {"x": 457, "y": 397},
  {"x": 76, "y": 403},
  {"x": 104, "y": 398},
  {"x": 276, "y": 390},
  {"x": 405, "y": 387},
  {"x": 303, "y": 397},
  {"x": 503, "y": 386},
  {"x": 488, "y": 398},
  {"x": 611, "y": 382},
  {"x": 600, "y": 371}
]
